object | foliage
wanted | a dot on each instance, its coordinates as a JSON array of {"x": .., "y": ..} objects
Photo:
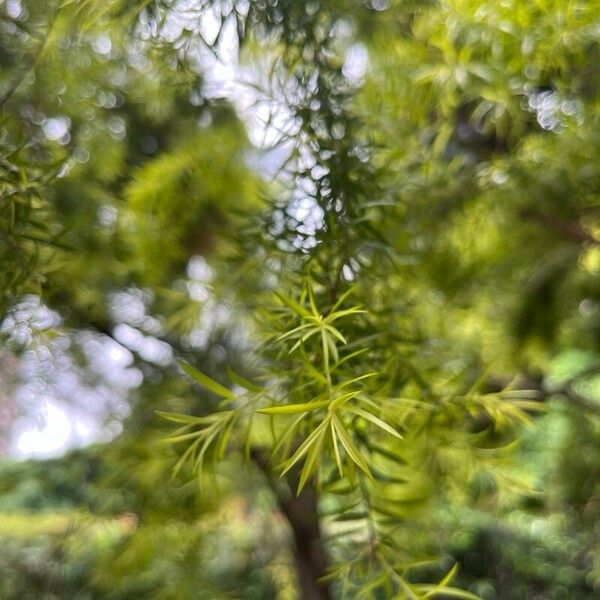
[
  {"x": 102, "y": 536},
  {"x": 370, "y": 257}
]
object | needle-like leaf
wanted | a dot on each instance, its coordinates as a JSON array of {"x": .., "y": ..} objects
[
  {"x": 348, "y": 445},
  {"x": 372, "y": 419},
  {"x": 304, "y": 447},
  {"x": 292, "y": 409},
  {"x": 206, "y": 382}
]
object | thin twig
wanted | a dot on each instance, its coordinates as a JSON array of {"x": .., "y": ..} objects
[{"x": 32, "y": 63}]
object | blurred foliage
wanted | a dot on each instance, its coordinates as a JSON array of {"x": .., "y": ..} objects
[
  {"x": 98, "y": 524},
  {"x": 370, "y": 232}
]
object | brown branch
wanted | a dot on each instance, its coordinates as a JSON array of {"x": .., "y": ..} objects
[
  {"x": 567, "y": 391},
  {"x": 572, "y": 230},
  {"x": 579, "y": 400}
]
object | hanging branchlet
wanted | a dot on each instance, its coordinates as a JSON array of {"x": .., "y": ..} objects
[{"x": 333, "y": 428}]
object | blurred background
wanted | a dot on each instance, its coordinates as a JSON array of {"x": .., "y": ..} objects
[{"x": 143, "y": 153}]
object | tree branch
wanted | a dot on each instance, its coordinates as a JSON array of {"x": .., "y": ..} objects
[{"x": 572, "y": 230}]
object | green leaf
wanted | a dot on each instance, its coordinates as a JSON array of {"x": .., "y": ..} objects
[
  {"x": 292, "y": 305},
  {"x": 430, "y": 591},
  {"x": 479, "y": 381},
  {"x": 317, "y": 375},
  {"x": 336, "y": 333},
  {"x": 389, "y": 510},
  {"x": 339, "y": 486},
  {"x": 344, "y": 313},
  {"x": 184, "y": 457},
  {"x": 180, "y": 438},
  {"x": 311, "y": 298},
  {"x": 247, "y": 440},
  {"x": 449, "y": 576},
  {"x": 331, "y": 345},
  {"x": 360, "y": 378},
  {"x": 205, "y": 381},
  {"x": 292, "y": 332},
  {"x": 372, "y": 419},
  {"x": 380, "y": 476},
  {"x": 386, "y": 452},
  {"x": 336, "y": 450},
  {"x": 529, "y": 405},
  {"x": 305, "y": 337},
  {"x": 243, "y": 382},
  {"x": 292, "y": 409},
  {"x": 352, "y": 516},
  {"x": 286, "y": 433},
  {"x": 199, "y": 460},
  {"x": 224, "y": 439},
  {"x": 341, "y": 299},
  {"x": 312, "y": 460},
  {"x": 349, "y": 446},
  {"x": 188, "y": 419},
  {"x": 304, "y": 447},
  {"x": 349, "y": 357},
  {"x": 377, "y": 583},
  {"x": 342, "y": 398}
]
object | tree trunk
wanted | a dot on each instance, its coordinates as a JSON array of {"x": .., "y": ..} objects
[
  {"x": 309, "y": 552},
  {"x": 301, "y": 513}
]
